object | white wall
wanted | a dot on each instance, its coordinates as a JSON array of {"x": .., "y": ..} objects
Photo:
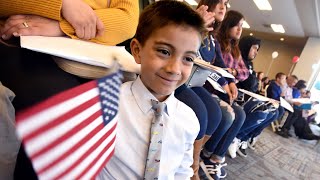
[
  {"x": 282, "y": 63},
  {"x": 310, "y": 55}
]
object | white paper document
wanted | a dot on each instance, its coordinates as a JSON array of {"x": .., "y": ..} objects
[
  {"x": 257, "y": 96},
  {"x": 286, "y": 105},
  {"x": 216, "y": 85},
  {"x": 208, "y": 66},
  {"x": 81, "y": 51}
]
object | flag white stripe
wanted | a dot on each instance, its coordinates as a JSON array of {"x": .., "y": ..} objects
[
  {"x": 32, "y": 123},
  {"x": 49, "y": 156},
  {"x": 67, "y": 162},
  {"x": 98, "y": 164},
  {"x": 84, "y": 164},
  {"x": 36, "y": 143}
]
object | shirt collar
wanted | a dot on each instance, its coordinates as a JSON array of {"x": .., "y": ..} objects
[{"x": 143, "y": 98}]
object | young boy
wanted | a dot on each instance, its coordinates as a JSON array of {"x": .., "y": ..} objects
[{"x": 167, "y": 39}]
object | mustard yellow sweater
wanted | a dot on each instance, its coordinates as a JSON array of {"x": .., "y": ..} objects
[{"x": 120, "y": 18}]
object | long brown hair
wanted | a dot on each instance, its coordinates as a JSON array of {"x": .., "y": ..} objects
[
  {"x": 211, "y": 6},
  {"x": 232, "y": 19}
]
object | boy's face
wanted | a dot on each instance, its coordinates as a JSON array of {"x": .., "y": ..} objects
[
  {"x": 282, "y": 80},
  {"x": 253, "y": 52},
  {"x": 166, "y": 58},
  {"x": 291, "y": 81}
]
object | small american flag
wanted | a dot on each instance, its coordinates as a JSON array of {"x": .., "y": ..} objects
[{"x": 72, "y": 134}]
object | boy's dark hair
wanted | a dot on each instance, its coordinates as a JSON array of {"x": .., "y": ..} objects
[
  {"x": 279, "y": 75},
  {"x": 301, "y": 86},
  {"x": 301, "y": 83},
  {"x": 295, "y": 77},
  {"x": 163, "y": 13}
]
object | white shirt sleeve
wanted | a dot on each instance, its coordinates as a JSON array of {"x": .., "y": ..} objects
[{"x": 185, "y": 171}]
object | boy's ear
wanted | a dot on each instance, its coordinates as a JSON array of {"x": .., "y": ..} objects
[{"x": 135, "y": 50}]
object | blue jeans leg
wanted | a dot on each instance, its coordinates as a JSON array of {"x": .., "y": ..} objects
[
  {"x": 228, "y": 137},
  {"x": 191, "y": 99},
  {"x": 228, "y": 117},
  {"x": 273, "y": 116},
  {"x": 253, "y": 120},
  {"x": 213, "y": 109}
]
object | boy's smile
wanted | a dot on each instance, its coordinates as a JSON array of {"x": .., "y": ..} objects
[{"x": 166, "y": 58}]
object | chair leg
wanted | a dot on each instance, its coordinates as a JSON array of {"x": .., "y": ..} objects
[{"x": 273, "y": 127}]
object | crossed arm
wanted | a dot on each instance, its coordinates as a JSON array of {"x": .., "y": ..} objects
[{"x": 106, "y": 22}]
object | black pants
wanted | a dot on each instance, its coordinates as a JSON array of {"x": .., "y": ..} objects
[
  {"x": 303, "y": 131},
  {"x": 291, "y": 119},
  {"x": 33, "y": 77}
]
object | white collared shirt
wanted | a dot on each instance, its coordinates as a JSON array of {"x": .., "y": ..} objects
[{"x": 181, "y": 127}]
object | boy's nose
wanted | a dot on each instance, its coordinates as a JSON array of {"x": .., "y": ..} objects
[{"x": 173, "y": 66}]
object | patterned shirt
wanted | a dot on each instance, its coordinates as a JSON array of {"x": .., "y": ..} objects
[{"x": 238, "y": 65}]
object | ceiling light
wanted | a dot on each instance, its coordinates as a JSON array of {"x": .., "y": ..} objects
[
  {"x": 263, "y": 4},
  {"x": 245, "y": 25},
  {"x": 281, "y": 39},
  {"x": 277, "y": 28},
  {"x": 192, "y": 2},
  {"x": 251, "y": 34},
  {"x": 228, "y": 6}
]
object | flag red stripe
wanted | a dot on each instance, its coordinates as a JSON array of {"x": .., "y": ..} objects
[
  {"x": 96, "y": 159},
  {"x": 56, "y": 99},
  {"x": 55, "y": 122},
  {"x": 67, "y": 135},
  {"x": 87, "y": 153},
  {"x": 103, "y": 164}
]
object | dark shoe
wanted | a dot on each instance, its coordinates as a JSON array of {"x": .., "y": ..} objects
[
  {"x": 213, "y": 171},
  {"x": 283, "y": 133},
  {"x": 242, "y": 149},
  {"x": 252, "y": 143}
]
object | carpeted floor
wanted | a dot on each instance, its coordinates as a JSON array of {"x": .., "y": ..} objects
[{"x": 276, "y": 157}]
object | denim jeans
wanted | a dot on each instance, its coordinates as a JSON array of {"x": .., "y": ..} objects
[
  {"x": 204, "y": 105},
  {"x": 219, "y": 142},
  {"x": 215, "y": 114},
  {"x": 256, "y": 130},
  {"x": 271, "y": 117},
  {"x": 254, "y": 117},
  {"x": 228, "y": 117}
]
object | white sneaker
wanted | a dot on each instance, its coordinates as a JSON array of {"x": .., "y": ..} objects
[
  {"x": 252, "y": 142},
  {"x": 232, "y": 150}
]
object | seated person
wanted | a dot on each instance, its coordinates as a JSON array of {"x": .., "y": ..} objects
[
  {"x": 34, "y": 76},
  {"x": 167, "y": 39},
  {"x": 165, "y": 46}
]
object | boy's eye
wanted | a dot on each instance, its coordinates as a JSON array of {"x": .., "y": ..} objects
[
  {"x": 163, "y": 51},
  {"x": 189, "y": 59}
]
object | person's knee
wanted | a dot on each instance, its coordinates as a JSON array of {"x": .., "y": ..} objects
[{"x": 228, "y": 113}]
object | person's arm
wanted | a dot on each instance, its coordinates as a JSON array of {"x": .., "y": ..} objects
[
  {"x": 273, "y": 92},
  {"x": 36, "y": 7},
  {"x": 120, "y": 19},
  {"x": 242, "y": 70},
  {"x": 185, "y": 171},
  {"x": 120, "y": 22}
]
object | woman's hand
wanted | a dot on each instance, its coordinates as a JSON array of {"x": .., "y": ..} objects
[
  {"x": 208, "y": 17},
  {"x": 30, "y": 25},
  {"x": 234, "y": 90},
  {"x": 82, "y": 18}
]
